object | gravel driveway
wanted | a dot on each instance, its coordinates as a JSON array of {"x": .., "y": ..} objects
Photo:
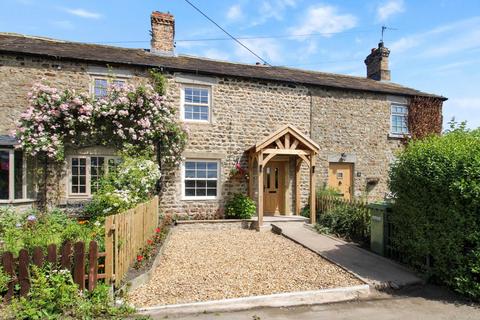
[{"x": 201, "y": 265}]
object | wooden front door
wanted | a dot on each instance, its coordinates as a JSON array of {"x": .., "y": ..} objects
[
  {"x": 273, "y": 188},
  {"x": 340, "y": 178}
]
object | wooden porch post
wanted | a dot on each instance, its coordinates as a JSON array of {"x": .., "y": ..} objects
[
  {"x": 313, "y": 212},
  {"x": 260, "y": 190},
  {"x": 251, "y": 159},
  {"x": 298, "y": 165}
]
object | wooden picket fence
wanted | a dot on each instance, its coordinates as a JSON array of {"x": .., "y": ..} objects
[
  {"x": 125, "y": 234},
  {"x": 328, "y": 202},
  {"x": 69, "y": 257}
]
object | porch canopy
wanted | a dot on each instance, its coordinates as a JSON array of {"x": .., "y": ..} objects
[{"x": 286, "y": 141}]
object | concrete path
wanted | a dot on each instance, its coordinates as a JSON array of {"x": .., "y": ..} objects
[
  {"x": 377, "y": 271},
  {"x": 411, "y": 306}
]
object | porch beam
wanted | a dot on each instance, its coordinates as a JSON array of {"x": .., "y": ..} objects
[
  {"x": 304, "y": 158},
  {"x": 313, "y": 211},
  {"x": 287, "y": 151},
  {"x": 260, "y": 169},
  {"x": 251, "y": 159},
  {"x": 268, "y": 158},
  {"x": 294, "y": 145},
  {"x": 287, "y": 141},
  {"x": 279, "y": 144},
  {"x": 298, "y": 179}
]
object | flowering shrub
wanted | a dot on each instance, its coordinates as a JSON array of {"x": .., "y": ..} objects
[
  {"x": 127, "y": 115},
  {"x": 133, "y": 182},
  {"x": 237, "y": 171}
]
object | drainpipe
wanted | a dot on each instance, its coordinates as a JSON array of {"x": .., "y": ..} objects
[{"x": 311, "y": 112}]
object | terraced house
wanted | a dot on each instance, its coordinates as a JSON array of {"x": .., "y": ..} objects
[{"x": 290, "y": 130}]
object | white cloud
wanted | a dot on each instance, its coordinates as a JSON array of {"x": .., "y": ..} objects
[
  {"x": 82, "y": 13},
  {"x": 459, "y": 36},
  {"x": 234, "y": 13},
  {"x": 465, "y": 108},
  {"x": 272, "y": 9},
  {"x": 390, "y": 8},
  {"x": 324, "y": 19},
  {"x": 268, "y": 49}
]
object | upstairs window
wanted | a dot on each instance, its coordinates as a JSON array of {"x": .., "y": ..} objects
[
  {"x": 196, "y": 104},
  {"x": 86, "y": 171},
  {"x": 399, "y": 119},
  {"x": 100, "y": 85}
]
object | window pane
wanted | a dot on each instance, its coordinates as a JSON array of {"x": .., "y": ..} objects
[
  {"x": 201, "y": 165},
  {"x": 190, "y": 192},
  {"x": 4, "y": 174},
  {"x": 212, "y": 166},
  {"x": 190, "y": 165},
  {"x": 212, "y": 192},
  {"x": 211, "y": 184},
  {"x": 100, "y": 88},
  {"x": 201, "y": 192},
  {"x": 201, "y": 174},
  {"x": 201, "y": 183},
  {"x": 190, "y": 174},
  {"x": 18, "y": 174},
  {"x": 79, "y": 176},
  {"x": 212, "y": 174}
]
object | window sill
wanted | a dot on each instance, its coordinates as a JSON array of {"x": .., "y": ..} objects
[
  {"x": 398, "y": 136},
  {"x": 18, "y": 201},
  {"x": 200, "y": 198},
  {"x": 196, "y": 121}
]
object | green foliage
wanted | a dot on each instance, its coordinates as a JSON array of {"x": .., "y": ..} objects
[
  {"x": 349, "y": 221},
  {"x": 327, "y": 191},
  {"x": 159, "y": 81},
  {"x": 436, "y": 213},
  {"x": 133, "y": 182},
  {"x": 54, "y": 295},
  {"x": 32, "y": 228},
  {"x": 4, "y": 280},
  {"x": 240, "y": 207},
  {"x": 305, "y": 212}
]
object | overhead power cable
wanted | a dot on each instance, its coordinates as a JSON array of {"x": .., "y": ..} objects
[{"x": 227, "y": 33}]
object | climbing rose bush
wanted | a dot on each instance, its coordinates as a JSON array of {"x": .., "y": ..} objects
[
  {"x": 127, "y": 115},
  {"x": 52, "y": 119}
]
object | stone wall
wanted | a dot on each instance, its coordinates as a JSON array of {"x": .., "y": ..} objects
[
  {"x": 243, "y": 112},
  {"x": 358, "y": 124}
]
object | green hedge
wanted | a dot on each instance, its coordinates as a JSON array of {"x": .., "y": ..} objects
[{"x": 436, "y": 213}]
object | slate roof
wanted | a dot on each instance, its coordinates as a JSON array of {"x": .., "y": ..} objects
[{"x": 21, "y": 44}]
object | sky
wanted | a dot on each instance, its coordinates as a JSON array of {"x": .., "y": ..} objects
[{"x": 435, "y": 44}]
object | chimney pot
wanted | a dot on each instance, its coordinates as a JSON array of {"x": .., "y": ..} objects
[
  {"x": 377, "y": 63},
  {"x": 163, "y": 33}
]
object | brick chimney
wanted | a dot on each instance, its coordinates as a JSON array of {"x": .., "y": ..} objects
[
  {"x": 163, "y": 33},
  {"x": 377, "y": 63}
]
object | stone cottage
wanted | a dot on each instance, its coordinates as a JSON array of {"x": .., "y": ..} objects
[{"x": 291, "y": 130}]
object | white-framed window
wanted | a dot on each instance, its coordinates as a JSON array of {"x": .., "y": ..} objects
[
  {"x": 196, "y": 103},
  {"x": 16, "y": 182},
  {"x": 398, "y": 119},
  {"x": 100, "y": 85},
  {"x": 85, "y": 172},
  {"x": 200, "y": 179}
]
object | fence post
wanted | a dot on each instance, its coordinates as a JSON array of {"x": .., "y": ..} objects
[
  {"x": 38, "y": 257},
  {"x": 23, "y": 279},
  {"x": 65, "y": 252},
  {"x": 79, "y": 264},
  {"x": 109, "y": 251},
  {"x": 52, "y": 253},
  {"x": 92, "y": 265},
  {"x": 7, "y": 262}
]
